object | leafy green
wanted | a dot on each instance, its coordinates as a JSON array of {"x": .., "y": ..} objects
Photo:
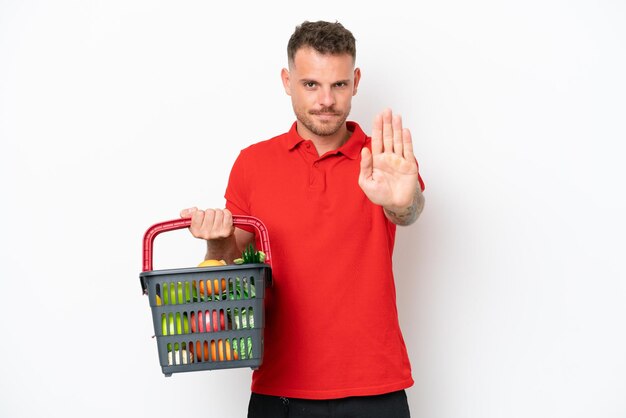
[{"x": 250, "y": 256}]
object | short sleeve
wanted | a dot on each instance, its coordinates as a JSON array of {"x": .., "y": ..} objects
[{"x": 237, "y": 191}]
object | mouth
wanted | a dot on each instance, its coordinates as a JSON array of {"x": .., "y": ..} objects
[{"x": 325, "y": 115}]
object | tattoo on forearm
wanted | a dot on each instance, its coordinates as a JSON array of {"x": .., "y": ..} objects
[
  {"x": 410, "y": 214},
  {"x": 404, "y": 218}
]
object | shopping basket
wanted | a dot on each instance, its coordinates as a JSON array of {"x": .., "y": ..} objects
[{"x": 207, "y": 318}]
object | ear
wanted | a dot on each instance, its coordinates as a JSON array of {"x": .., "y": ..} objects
[
  {"x": 357, "y": 77},
  {"x": 284, "y": 75}
]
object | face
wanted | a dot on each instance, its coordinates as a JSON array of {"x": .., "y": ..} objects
[{"x": 321, "y": 89}]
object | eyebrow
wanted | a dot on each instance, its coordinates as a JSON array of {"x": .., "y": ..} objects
[{"x": 310, "y": 80}]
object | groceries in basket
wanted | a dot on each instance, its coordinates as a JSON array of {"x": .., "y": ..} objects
[
  {"x": 210, "y": 316},
  {"x": 209, "y": 320}
]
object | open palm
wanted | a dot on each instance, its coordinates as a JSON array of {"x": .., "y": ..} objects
[{"x": 389, "y": 173}]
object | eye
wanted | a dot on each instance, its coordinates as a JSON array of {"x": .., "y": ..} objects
[
  {"x": 341, "y": 84},
  {"x": 310, "y": 84}
]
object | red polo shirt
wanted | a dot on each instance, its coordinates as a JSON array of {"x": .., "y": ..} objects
[{"x": 331, "y": 325}]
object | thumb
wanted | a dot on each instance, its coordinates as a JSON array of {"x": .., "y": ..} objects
[
  {"x": 366, "y": 164},
  {"x": 366, "y": 167}
]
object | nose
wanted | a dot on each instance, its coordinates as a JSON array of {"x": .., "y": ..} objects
[{"x": 326, "y": 97}]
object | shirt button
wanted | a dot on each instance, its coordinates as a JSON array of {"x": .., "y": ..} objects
[{"x": 316, "y": 164}]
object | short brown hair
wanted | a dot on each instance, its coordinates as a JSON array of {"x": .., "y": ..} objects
[{"x": 324, "y": 37}]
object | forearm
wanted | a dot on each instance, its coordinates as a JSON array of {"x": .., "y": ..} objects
[
  {"x": 228, "y": 248},
  {"x": 407, "y": 215}
]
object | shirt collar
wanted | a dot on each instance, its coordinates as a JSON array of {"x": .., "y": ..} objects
[{"x": 351, "y": 149}]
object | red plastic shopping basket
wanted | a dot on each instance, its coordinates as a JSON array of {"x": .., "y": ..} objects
[{"x": 207, "y": 318}]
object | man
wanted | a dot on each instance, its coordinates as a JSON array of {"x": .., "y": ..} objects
[{"x": 331, "y": 199}]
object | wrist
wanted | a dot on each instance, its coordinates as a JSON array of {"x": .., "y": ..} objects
[
  {"x": 222, "y": 248},
  {"x": 406, "y": 214}
]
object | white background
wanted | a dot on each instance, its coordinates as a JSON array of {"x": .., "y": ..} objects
[{"x": 114, "y": 115}]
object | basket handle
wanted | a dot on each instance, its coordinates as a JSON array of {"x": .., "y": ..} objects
[{"x": 156, "y": 229}]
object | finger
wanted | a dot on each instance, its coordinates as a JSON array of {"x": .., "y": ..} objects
[
  {"x": 186, "y": 213},
  {"x": 218, "y": 221},
  {"x": 387, "y": 131},
  {"x": 366, "y": 166},
  {"x": 207, "y": 224},
  {"x": 197, "y": 218},
  {"x": 377, "y": 134},
  {"x": 228, "y": 218},
  {"x": 407, "y": 145},
  {"x": 397, "y": 134}
]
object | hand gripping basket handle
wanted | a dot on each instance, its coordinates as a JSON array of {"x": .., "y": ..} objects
[{"x": 156, "y": 229}]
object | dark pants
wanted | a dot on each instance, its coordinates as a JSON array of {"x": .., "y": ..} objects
[{"x": 390, "y": 405}]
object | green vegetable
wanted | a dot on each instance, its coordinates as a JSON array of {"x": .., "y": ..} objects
[
  {"x": 243, "y": 347},
  {"x": 250, "y": 256},
  {"x": 240, "y": 289}
]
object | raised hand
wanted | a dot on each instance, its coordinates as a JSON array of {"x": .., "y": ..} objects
[{"x": 389, "y": 174}]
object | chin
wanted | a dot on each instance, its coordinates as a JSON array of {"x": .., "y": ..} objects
[{"x": 328, "y": 128}]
